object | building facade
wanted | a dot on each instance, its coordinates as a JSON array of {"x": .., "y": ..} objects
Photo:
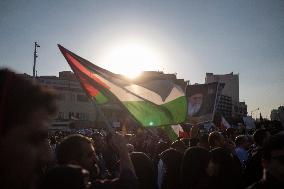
[
  {"x": 231, "y": 82},
  {"x": 74, "y": 107},
  {"x": 240, "y": 109},
  {"x": 73, "y": 104},
  {"x": 229, "y": 104}
]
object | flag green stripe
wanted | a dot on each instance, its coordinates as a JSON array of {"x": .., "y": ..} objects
[
  {"x": 168, "y": 130},
  {"x": 178, "y": 109},
  {"x": 150, "y": 115},
  {"x": 100, "y": 98}
]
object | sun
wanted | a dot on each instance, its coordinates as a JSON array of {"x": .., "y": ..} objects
[{"x": 131, "y": 59}]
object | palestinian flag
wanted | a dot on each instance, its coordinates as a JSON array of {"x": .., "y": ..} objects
[{"x": 152, "y": 102}]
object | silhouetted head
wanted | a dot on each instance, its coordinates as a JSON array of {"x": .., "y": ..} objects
[
  {"x": 99, "y": 141},
  {"x": 220, "y": 163},
  {"x": 194, "y": 167},
  {"x": 66, "y": 176},
  {"x": 26, "y": 110},
  {"x": 273, "y": 156},
  {"x": 231, "y": 133},
  {"x": 203, "y": 141},
  {"x": 179, "y": 146},
  {"x": 216, "y": 139},
  {"x": 160, "y": 147},
  {"x": 260, "y": 136},
  {"x": 78, "y": 150},
  {"x": 171, "y": 160},
  {"x": 144, "y": 169},
  {"x": 242, "y": 141}
]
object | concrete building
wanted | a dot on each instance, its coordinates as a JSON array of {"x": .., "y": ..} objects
[
  {"x": 73, "y": 103},
  {"x": 148, "y": 75},
  {"x": 74, "y": 107},
  {"x": 231, "y": 82},
  {"x": 229, "y": 104},
  {"x": 240, "y": 109},
  {"x": 274, "y": 115}
]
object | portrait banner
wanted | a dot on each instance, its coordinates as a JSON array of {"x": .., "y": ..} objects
[{"x": 202, "y": 99}]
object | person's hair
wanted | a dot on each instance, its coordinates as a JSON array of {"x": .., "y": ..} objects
[
  {"x": 66, "y": 176},
  {"x": 203, "y": 138},
  {"x": 172, "y": 161},
  {"x": 185, "y": 141},
  {"x": 259, "y": 136},
  {"x": 275, "y": 142},
  {"x": 230, "y": 132},
  {"x": 221, "y": 156},
  {"x": 20, "y": 98},
  {"x": 70, "y": 149},
  {"x": 227, "y": 175},
  {"x": 214, "y": 137},
  {"x": 144, "y": 169},
  {"x": 178, "y": 145},
  {"x": 160, "y": 147},
  {"x": 97, "y": 134},
  {"x": 240, "y": 140},
  {"x": 193, "y": 168},
  {"x": 130, "y": 148}
]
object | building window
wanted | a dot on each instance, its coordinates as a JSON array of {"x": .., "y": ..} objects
[
  {"x": 73, "y": 116},
  {"x": 83, "y": 116},
  {"x": 60, "y": 115},
  {"x": 72, "y": 97},
  {"x": 65, "y": 115},
  {"x": 61, "y": 96},
  {"x": 82, "y": 98}
]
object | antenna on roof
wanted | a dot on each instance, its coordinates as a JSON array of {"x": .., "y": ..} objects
[{"x": 35, "y": 56}]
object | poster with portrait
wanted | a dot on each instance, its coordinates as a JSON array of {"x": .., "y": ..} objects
[{"x": 201, "y": 100}]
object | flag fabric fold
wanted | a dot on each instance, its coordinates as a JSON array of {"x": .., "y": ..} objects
[{"x": 154, "y": 102}]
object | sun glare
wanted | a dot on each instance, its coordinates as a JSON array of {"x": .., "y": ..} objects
[{"x": 131, "y": 59}]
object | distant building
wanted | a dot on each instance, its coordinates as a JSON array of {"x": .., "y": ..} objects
[
  {"x": 240, "y": 109},
  {"x": 231, "y": 81},
  {"x": 148, "y": 75},
  {"x": 274, "y": 115},
  {"x": 73, "y": 103},
  {"x": 228, "y": 104}
]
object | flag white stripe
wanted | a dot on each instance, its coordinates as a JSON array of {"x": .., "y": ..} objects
[{"x": 147, "y": 94}]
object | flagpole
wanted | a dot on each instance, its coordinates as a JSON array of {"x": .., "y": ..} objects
[
  {"x": 109, "y": 127},
  {"x": 216, "y": 101}
]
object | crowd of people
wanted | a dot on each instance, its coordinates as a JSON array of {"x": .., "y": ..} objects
[{"x": 31, "y": 157}]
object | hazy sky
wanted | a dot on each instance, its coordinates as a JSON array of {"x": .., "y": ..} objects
[{"x": 189, "y": 37}]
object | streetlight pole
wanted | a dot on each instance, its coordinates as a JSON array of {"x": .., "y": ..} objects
[{"x": 35, "y": 56}]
